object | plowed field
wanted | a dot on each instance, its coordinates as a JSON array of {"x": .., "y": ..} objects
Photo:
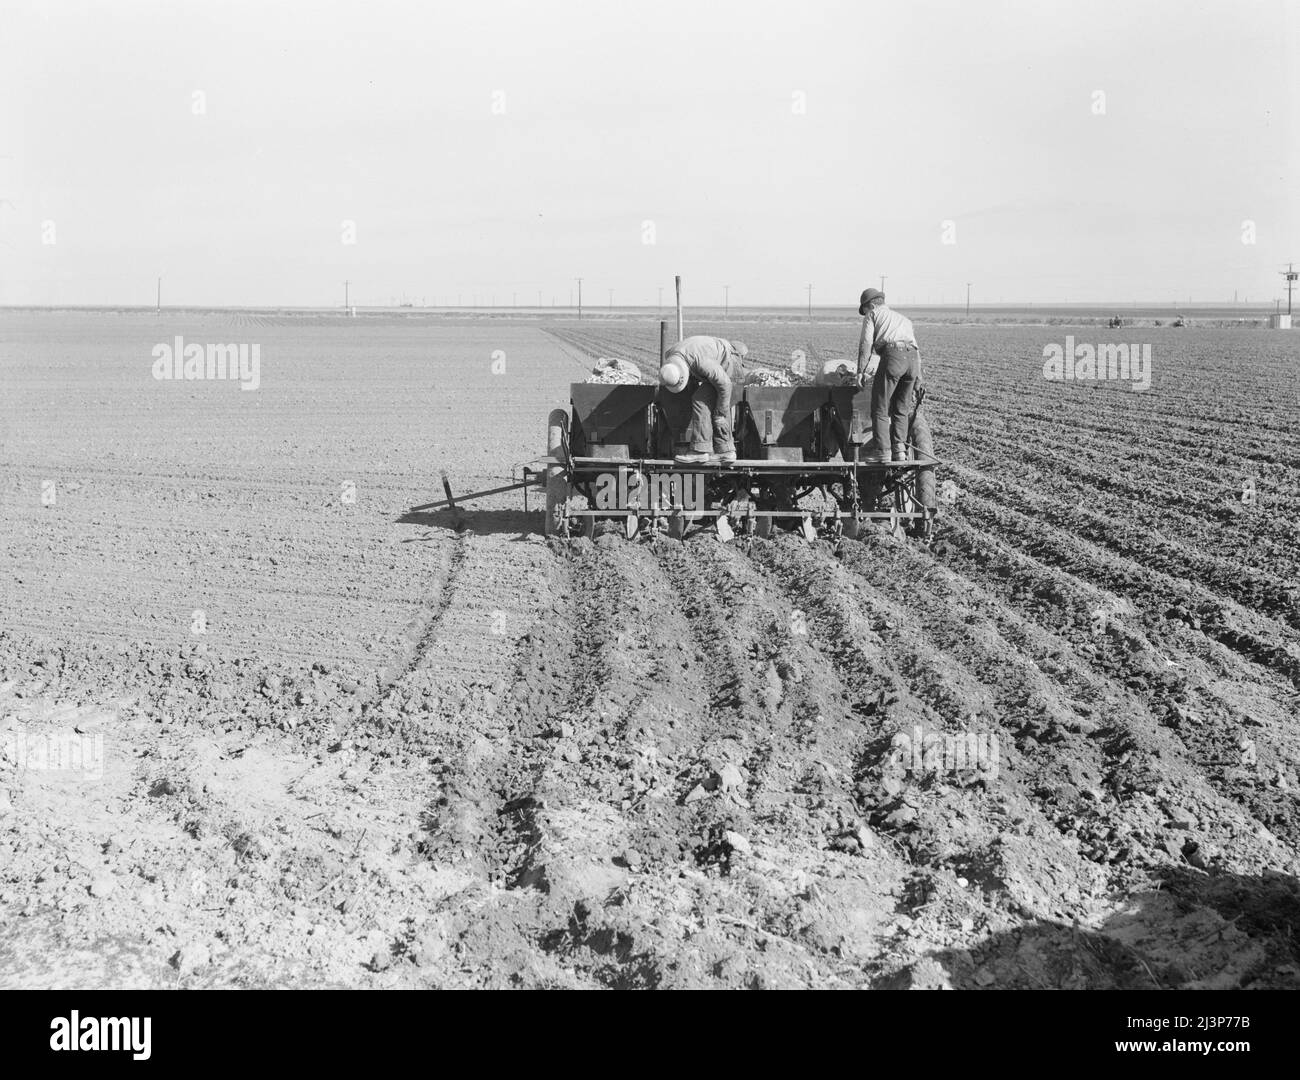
[{"x": 327, "y": 740}]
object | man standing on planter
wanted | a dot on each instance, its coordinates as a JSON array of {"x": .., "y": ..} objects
[{"x": 897, "y": 378}]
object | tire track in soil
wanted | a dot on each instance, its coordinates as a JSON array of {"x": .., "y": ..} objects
[
  {"x": 654, "y": 697},
  {"x": 422, "y": 633},
  {"x": 590, "y": 779},
  {"x": 492, "y": 666},
  {"x": 526, "y": 803},
  {"x": 780, "y": 705},
  {"x": 604, "y": 788},
  {"x": 634, "y": 737}
]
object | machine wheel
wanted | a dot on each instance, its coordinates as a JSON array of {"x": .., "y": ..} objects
[
  {"x": 557, "y": 486},
  {"x": 923, "y": 443}
]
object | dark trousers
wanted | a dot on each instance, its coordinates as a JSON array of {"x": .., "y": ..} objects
[
  {"x": 891, "y": 398},
  {"x": 692, "y": 411}
]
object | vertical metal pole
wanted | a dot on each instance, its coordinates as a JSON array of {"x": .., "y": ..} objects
[
  {"x": 663, "y": 340},
  {"x": 680, "y": 334}
]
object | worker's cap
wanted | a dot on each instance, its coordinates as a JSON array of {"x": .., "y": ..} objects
[
  {"x": 867, "y": 296},
  {"x": 674, "y": 376},
  {"x": 740, "y": 349}
]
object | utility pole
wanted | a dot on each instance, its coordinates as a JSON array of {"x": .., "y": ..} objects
[
  {"x": 810, "y": 301},
  {"x": 347, "y": 306},
  {"x": 726, "y": 302},
  {"x": 968, "y": 298},
  {"x": 579, "y": 298},
  {"x": 1290, "y": 275},
  {"x": 160, "y": 296},
  {"x": 882, "y": 282}
]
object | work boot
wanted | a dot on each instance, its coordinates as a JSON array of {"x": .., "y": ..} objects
[
  {"x": 694, "y": 457},
  {"x": 729, "y": 458},
  {"x": 872, "y": 454}
]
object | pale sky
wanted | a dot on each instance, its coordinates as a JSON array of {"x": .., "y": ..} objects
[{"x": 498, "y": 149}]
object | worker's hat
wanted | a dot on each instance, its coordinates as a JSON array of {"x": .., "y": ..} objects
[
  {"x": 740, "y": 349},
  {"x": 867, "y": 296},
  {"x": 674, "y": 375}
]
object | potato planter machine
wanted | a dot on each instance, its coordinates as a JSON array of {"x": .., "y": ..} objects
[{"x": 611, "y": 458}]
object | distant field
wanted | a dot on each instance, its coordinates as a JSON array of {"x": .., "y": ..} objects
[{"x": 1231, "y": 315}]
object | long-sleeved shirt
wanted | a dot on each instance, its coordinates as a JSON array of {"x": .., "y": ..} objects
[
  {"x": 710, "y": 358},
  {"x": 882, "y": 326}
]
